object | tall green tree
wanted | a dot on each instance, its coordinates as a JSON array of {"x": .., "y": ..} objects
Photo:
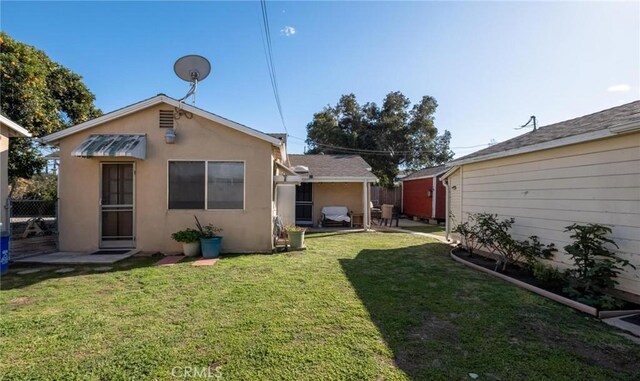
[
  {"x": 42, "y": 96},
  {"x": 392, "y": 136}
]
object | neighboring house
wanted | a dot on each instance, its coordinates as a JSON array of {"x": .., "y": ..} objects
[
  {"x": 584, "y": 170},
  {"x": 327, "y": 180},
  {"x": 126, "y": 181},
  {"x": 8, "y": 129},
  {"x": 424, "y": 195}
]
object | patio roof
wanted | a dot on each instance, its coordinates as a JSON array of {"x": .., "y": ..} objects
[
  {"x": 333, "y": 168},
  {"x": 116, "y": 145}
]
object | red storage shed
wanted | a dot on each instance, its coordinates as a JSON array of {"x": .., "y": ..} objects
[{"x": 424, "y": 195}]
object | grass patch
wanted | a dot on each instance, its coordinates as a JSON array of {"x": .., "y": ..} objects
[
  {"x": 363, "y": 306},
  {"x": 431, "y": 229}
]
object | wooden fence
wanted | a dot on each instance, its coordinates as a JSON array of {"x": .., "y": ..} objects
[{"x": 381, "y": 195}]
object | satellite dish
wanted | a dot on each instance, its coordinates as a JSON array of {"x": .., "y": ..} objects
[{"x": 192, "y": 68}]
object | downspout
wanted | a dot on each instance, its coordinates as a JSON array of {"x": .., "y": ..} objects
[
  {"x": 445, "y": 182},
  {"x": 434, "y": 196}
]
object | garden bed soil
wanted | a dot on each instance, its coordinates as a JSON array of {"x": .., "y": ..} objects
[{"x": 524, "y": 276}]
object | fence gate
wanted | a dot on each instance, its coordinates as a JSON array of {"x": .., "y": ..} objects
[{"x": 33, "y": 227}]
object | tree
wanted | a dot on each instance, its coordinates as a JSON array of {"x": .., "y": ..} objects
[
  {"x": 42, "y": 96},
  {"x": 388, "y": 137}
]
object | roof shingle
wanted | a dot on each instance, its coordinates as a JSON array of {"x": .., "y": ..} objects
[
  {"x": 601, "y": 120},
  {"x": 334, "y": 165},
  {"x": 425, "y": 172}
]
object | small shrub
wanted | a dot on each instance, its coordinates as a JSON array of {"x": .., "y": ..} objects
[
  {"x": 187, "y": 235},
  {"x": 595, "y": 266},
  {"x": 470, "y": 234},
  {"x": 533, "y": 251},
  {"x": 294, "y": 228},
  {"x": 548, "y": 275},
  {"x": 207, "y": 231},
  {"x": 494, "y": 235}
]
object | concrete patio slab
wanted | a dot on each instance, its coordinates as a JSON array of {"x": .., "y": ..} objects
[
  {"x": 65, "y": 270},
  {"x": 27, "y": 272},
  {"x": 170, "y": 260},
  {"x": 205, "y": 262},
  {"x": 626, "y": 326},
  {"x": 75, "y": 258}
]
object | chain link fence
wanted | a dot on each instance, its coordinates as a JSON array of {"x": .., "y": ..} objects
[{"x": 33, "y": 227}]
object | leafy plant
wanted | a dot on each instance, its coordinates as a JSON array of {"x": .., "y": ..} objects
[
  {"x": 494, "y": 235},
  {"x": 595, "y": 266},
  {"x": 187, "y": 235},
  {"x": 294, "y": 228},
  {"x": 548, "y": 275},
  {"x": 207, "y": 231},
  {"x": 533, "y": 251},
  {"x": 470, "y": 234}
]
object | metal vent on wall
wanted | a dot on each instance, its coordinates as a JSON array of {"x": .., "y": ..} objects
[{"x": 166, "y": 119}]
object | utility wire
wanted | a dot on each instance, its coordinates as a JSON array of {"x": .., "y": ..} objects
[
  {"x": 268, "y": 50},
  {"x": 376, "y": 152}
]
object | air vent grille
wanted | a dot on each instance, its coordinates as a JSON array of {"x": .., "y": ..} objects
[{"x": 166, "y": 119}]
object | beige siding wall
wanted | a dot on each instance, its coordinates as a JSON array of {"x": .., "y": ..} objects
[
  {"x": 4, "y": 181},
  {"x": 337, "y": 194},
  {"x": 593, "y": 182},
  {"x": 455, "y": 201},
  {"x": 198, "y": 139}
]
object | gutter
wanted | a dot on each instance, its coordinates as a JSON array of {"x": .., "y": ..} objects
[{"x": 447, "y": 196}]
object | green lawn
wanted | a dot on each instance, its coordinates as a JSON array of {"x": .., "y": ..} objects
[
  {"x": 431, "y": 229},
  {"x": 363, "y": 306}
]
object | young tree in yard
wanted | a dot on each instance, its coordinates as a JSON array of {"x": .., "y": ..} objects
[
  {"x": 42, "y": 96},
  {"x": 390, "y": 136}
]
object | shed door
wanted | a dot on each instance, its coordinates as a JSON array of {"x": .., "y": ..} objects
[
  {"x": 304, "y": 204},
  {"x": 117, "y": 205}
]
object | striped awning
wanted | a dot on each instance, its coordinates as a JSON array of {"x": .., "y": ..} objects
[{"x": 115, "y": 145}]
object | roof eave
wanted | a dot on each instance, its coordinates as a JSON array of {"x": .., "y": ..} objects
[
  {"x": 596, "y": 135},
  {"x": 52, "y": 138},
  {"x": 15, "y": 126},
  {"x": 339, "y": 179}
]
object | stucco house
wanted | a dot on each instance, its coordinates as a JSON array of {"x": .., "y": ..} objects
[
  {"x": 423, "y": 194},
  {"x": 327, "y": 180},
  {"x": 8, "y": 129},
  {"x": 583, "y": 170},
  {"x": 132, "y": 177}
]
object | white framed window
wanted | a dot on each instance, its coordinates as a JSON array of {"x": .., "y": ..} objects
[{"x": 206, "y": 185}]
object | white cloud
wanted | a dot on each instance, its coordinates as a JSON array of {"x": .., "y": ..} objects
[
  {"x": 619, "y": 88},
  {"x": 288, "y": 31}
]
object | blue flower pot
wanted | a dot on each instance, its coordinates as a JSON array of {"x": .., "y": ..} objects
[{"x": 211, "y": 247}]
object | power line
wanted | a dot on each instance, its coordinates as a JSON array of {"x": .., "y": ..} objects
[
  {"x": 268, "y": 50},
  {"x": 374, "y": 152}
]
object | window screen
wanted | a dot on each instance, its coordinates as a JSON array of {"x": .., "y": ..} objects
[
  {"x": 186, "y": 184},
  {"x": 225, "y": 188}
]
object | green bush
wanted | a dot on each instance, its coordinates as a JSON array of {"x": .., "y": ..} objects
[
  {"x": 533, "y": 251},
  {"x": 548, "y": 275},
  {"x": 187, "y": 235},
  {"x": 469, "y": 234},
  {"x": 595, "y": 266}
]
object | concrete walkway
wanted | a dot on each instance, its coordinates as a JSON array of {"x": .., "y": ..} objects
[{"x": 75, "y": 258}]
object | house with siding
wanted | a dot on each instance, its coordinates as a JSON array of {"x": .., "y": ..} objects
[
  {"x": 423, "y": 194},
  {"x": 583, "y": 170}
]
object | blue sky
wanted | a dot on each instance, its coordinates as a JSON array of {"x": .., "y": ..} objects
[{"x": 490, "y": 65}]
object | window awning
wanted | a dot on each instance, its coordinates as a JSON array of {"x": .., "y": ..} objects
[{"x": 116, "y": 145}]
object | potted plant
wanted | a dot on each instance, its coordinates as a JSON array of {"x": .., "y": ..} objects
[
  {"x": 296, "y": 236},
  {"x": 190, "y": 239},
  {"x": 210, "y": 241}
]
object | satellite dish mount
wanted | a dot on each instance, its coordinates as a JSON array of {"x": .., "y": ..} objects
[
  {"x": 531, "y": 120},
  {"x": 193, "y": 69}
]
